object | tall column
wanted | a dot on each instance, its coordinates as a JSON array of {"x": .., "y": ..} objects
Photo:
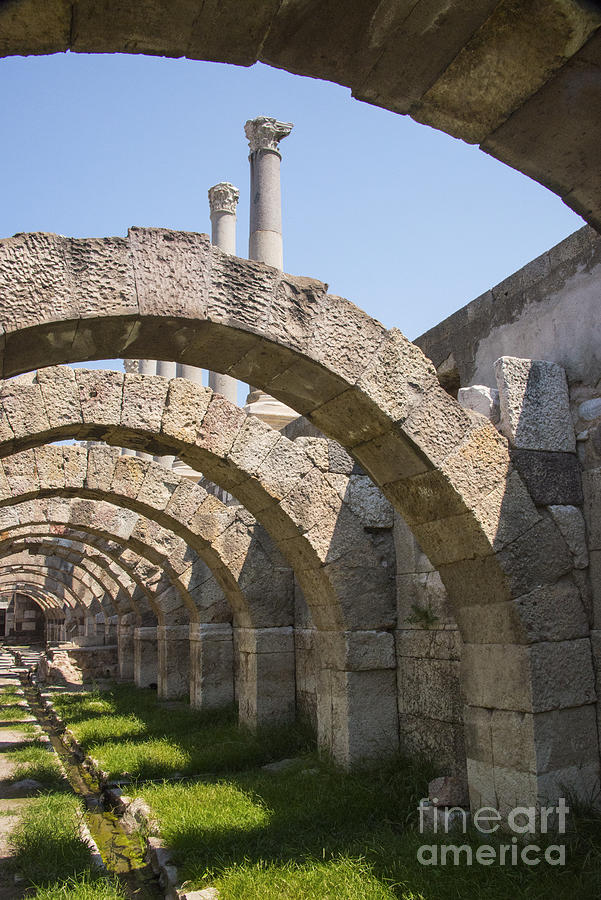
[
  {"x": 265, "y": 240},
  {"x": 132, "y": 367},
  {"x": 146, "y": 367},
  {"x": 166, "y": 369},
  {"x": 223, "y": 200}
]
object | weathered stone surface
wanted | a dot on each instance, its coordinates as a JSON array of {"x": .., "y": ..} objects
[
  {"x": 545, "y": 676},
  {"x": 535, "y": 405},
  {"x": 551, "y": 478},
  {"x": 549, "y": 612},
  {"x": 481, "y": 399},
  {"x": 448, "y": 790},
  {"x": 570, "y": 522}
]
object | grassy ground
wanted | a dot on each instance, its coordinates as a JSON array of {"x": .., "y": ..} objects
[
  {"x": 51, "y": 856},
  {"x": 131, "y": 734},
  {"x": 35, "y": 761},
  {"x": 311, "y": 832}
]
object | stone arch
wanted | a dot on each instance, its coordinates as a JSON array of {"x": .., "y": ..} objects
[
  {"x": 212, "y": 637},
  {"x": 498, "y": 74},
  {"x": 162, "y": 295},
  {"x": 100, "y": 592},
  {"x": 71, "y": 591},
  {"x": 52, "y": 608}
]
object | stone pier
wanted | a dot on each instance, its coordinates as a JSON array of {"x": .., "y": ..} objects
[
  {"x": 145, "y": 656},
  {"x": 266, "y": 685},
  {"x": 173, "y": 645},
  {"x": 211, "y": 666}
]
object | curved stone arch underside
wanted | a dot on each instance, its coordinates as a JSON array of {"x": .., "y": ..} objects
[
  {"x": 25, "y": 523},
  {"x": 76, "y": 593},
  {"x": 47, "y": 602},
  {"x": 519, "y": 79},
  {"x": 73, "y": 550},
  {"x": 101, "y": 524},
  {"x": 163, "y": 295},
  {"x": 100, "y": 592},
  {"x": 174, "y": 523},
  {"x": 302, "y": 507}
]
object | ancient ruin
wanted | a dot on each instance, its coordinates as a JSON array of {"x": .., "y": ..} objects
[{"x": 398, "y": 542}]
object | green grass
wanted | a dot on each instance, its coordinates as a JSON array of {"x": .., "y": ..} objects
[
  {"x": 132, "y": 735},
  {"x": 351, "y": 879},
  {"x": 47, "y": 845},
  {"x": 36, "y": 761},
  {"x": 312, "y": 832},
  {"x": 302, "y": 834},
  {"x": 85, "y": 887},
  {"x": 25, "y": 728},
  {"x": 13, "y": 713}
]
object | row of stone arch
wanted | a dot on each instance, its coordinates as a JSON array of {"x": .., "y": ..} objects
[{"x": 355, "y": 643}]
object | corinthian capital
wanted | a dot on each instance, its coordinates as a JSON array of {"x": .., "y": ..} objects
[
  {"x": 265, "y": 133},
  {"x": 223, "y": 197}
]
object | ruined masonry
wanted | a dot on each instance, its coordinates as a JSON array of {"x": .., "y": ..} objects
[{"x": 398, "y": 542}]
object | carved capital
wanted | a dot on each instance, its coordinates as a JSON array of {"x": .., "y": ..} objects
[
  {"x": 223, "y": 197},
  {"x": 131, "y": 366},
  {"x": 265, "y": 133}
]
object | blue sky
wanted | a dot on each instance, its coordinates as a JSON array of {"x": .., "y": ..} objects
[{"x": 405, "y": 221}]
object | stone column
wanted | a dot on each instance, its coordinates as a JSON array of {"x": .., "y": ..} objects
[
  {"x": 223, "y": 200},
  {"x": 166, "y": 369},
  {"x": 145, "y": 656},
  {"x": 191, "y": 373},
  {"x": 265, "y": 240},
  {"x": 132, "y": 367},
  {"x": 173, "y": 644},
  {"x": 146, "y": 367},
  {"x": 357, "y": 717},
  {"x": 211, "y": 666},
  {"x": 266, "y": 681},
  {"x": 125, "y": 648}
]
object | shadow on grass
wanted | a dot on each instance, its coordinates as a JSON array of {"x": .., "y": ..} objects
[
  {"x": 132, "y": 734},
  {"x": 267, "y": 832}
]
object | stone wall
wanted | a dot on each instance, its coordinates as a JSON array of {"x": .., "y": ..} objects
[{"x": 549, "y": 310}]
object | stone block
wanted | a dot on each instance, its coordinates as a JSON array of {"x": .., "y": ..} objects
[
  {"x": 440, "y": 741},
  {"x": 481, "y": 399},
  {"x": 23, "y": 406},
  {"x": 591, "y": 485},
  {"x": 428, "y": 643},
  {"x": 552, "y": 612},
  {"x": 356, "y": 650},
  {"x": 357, "y": 715},
  {"x": 551, "y": 478},
  {"x": 448, "y": 790},
  {"x": 144, "y": 398},
  {"x": 570, "y": 522},
  {"x": 541, "y": 677},
  {"x": 535, "y": 405},
  {"x": 61, "y": 397},
  {"x": 101, "y": 396},
  {"x": 265, "y": 640},
  {"x": 367, "y": 502},
  {"x": 423, "y": 591},
  {"x": 430, "y": 687}
]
